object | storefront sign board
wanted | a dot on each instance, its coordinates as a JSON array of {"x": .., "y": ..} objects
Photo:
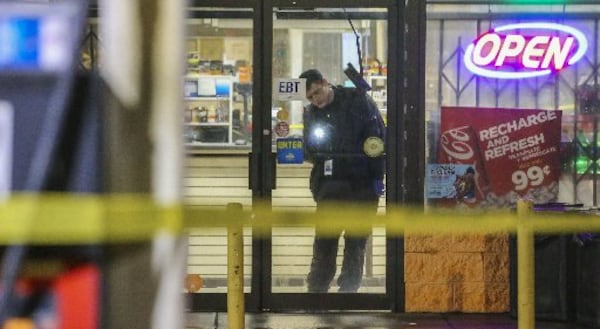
[
  {"x": 289, "y": 89},
  {"x": 525, "y": 50}
]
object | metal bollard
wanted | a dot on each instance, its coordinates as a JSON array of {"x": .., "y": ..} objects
[
  {"x": 235, "y": 268},
  {"x": 525, "y": 268}
]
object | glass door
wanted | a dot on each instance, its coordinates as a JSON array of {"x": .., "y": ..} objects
[
  {"x": 330, "y": 40},
  {"x": 217, "y": 119},
  {"x": 239, "y": 128}
]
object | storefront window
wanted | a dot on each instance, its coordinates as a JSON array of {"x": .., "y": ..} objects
[
  {"x": 218, "y": 81},
  {"x": 508, "y": 163},
  {"x": 217, "y": 119}
]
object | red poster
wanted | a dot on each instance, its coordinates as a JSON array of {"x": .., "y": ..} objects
[{"x": 513, "y": 153}]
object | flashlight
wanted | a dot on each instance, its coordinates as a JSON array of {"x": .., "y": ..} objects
[
  {"x": 319, "y": 133},
  {"x": 320, "y": 137}
]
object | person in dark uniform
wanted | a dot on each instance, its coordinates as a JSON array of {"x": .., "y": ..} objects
[{"x": 343, "y": 137}]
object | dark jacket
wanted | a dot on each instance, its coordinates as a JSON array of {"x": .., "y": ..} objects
[{"x": 335, "y": 134}]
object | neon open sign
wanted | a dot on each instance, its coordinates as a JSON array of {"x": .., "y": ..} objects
[{"x": 525, "y": 50}]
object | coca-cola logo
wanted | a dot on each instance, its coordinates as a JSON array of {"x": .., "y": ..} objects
[{"x": 455, "y": 143}]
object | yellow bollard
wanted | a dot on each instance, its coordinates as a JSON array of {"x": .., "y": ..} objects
[
  {"x": 525, "y": 268},
  {"x": 235, "y": 269}
]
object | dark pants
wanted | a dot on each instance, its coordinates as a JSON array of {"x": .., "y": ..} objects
[{"x": 323, "y": 265}]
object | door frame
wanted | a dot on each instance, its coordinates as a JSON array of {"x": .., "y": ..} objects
[{"x": 403, "y": 183}]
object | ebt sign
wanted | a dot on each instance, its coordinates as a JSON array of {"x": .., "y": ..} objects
[{"x": 525, "y": 50}]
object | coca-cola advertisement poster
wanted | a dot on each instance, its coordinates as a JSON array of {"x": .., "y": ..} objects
[{"x": 510, "y": 154}]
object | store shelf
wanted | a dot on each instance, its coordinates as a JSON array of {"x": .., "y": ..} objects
[
  {"x": 205, "y": 98},
  {"x": 207, "y": 124},
  {"x": 378, "y": 92},
  {"x": 207, "y": 144},
  {"x": 208, "y": 110}
]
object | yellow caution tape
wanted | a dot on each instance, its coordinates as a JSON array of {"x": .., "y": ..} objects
[
  {"x": 76, "y": 219},
  {"x": 83, "y": 219}
]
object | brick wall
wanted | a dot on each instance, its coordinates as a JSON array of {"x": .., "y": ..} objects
[{"x": 456, "y": 273}]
